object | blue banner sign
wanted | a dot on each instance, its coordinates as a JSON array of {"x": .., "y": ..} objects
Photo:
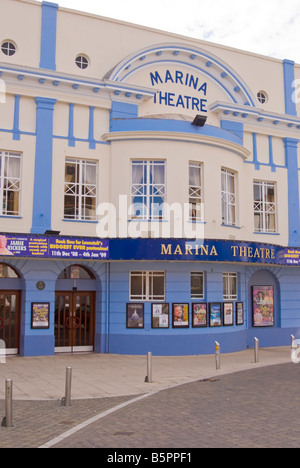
[
  {"x": 54, "y": 247},
  {"x": 205, "y": 251},
  {"x": 78, "y": 248}
]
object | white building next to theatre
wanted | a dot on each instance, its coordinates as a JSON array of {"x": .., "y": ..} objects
[{"x": 149, "y": 189}]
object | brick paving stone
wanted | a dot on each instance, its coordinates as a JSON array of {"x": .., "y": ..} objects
[
  {"x": 36, "y": 422},
  {"x": 258, "y": 408}
]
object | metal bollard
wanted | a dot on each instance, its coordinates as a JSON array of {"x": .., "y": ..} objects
[
  {"x": 256, "y": 350},
  {"x": 66, "y": 401},
  {"x": 8, "y": 419},
  {"x": 148, "y": 377},
  {"x": 294, "y": 350},
  {"x": 293, "y": 346},
  {"x": 218, "y": 355}
]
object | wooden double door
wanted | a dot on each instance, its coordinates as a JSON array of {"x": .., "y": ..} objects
[
  {"x": 10, "y": 312},
  {"x": 74, "y": 321}
]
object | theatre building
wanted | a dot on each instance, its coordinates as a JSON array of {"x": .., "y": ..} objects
[{"x": 149, "y": 189}]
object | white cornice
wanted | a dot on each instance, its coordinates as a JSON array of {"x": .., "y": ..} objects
[
  {"x": 34, "y": 82},
  {"x": 177, "y": 136},
  {"x": 250, "y": 115}
]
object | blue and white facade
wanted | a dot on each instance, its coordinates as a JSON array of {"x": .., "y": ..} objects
[{"x": 149, "y": 189}]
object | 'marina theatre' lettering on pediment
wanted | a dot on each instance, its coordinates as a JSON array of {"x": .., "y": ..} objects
[{"x": 191, "y": 95}]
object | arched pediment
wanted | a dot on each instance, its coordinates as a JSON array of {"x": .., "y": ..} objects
[{"x": 189, "y": 68}]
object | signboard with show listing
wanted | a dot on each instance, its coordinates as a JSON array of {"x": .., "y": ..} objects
[{"x": 53, "y": 247}]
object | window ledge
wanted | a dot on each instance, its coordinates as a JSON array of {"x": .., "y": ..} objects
[
  {"x": 79, "y": 221},
  {"x": 267, "y": 233},
  {"x": 230, "y": 226}
]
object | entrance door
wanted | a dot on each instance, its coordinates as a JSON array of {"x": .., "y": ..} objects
[
  {"x": 9, "y": 321},
  {"x": 74, "y": 321}
]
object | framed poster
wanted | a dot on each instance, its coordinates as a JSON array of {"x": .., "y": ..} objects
[
  {"x": 239, "y": 313},
  {"x": 199, "y": 315},
  {"x": 135, "y": 316},
  {"x": 160, "y": 316},
  {"x": 228, "y": 314},
  {"x": 263, "y": 306},
  {"x": 215, "y": 314},
  {"x": 40, "y": 315},
  {"x": 181, "y": 316}
]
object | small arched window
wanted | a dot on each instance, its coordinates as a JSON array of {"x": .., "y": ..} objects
[
  {"x": 76, "y": 272},
  {"x": 7, "y": 271}
]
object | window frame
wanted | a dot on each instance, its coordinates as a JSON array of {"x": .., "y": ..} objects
[
  {"x": 77, "y": 190},
  {"x": 200, "y": 296},
  {"x": 196, "y": 193},
  {"x": 265, "y": 208},
  {"x": 229, "y": 199},
  {"x": 147, "y": 278},
  {"x": 148, "y": 191},
  {"x": 227, "y": 295},
  {"x": 16, "y": 184}
]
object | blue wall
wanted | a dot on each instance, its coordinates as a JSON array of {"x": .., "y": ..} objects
[
  {"x": 112, "y": 286},
  {"x": 48, "y": 35},
  {"x": 201, "y": 341}
]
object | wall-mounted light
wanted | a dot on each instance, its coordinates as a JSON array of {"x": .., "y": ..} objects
[
  {"x": 52, "y": 233},
  {"x": 199, "y": 121}
]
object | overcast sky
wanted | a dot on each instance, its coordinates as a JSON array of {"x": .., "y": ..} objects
[{"x": 268, "y": 27}]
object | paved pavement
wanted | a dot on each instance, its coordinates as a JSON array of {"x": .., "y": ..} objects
[
  {"x": 189, "y": 403},
  {"x": 105, "y": 375},
  {"x": 256, "y": 409}
]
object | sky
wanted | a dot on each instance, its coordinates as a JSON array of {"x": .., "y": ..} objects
[{"x": 267, "y": 27}]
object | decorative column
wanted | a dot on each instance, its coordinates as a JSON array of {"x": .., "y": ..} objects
[
  {"x": 291, "y": 154},
  {"x": 41, "y": 217}
]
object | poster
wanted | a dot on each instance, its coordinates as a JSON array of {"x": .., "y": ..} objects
[
  {"x": 263, "y": 306},
  {"x": 199, "y": 315},
  {"x": 160, "y": 315},
  {"x": 181, "y": 316},
  {"x": 228, "y": 314},
  {"x": 215, "y": 314},
  {"x": 40, "y": 313},
  {"x": 135, "y": 316},
  {"x": 240, "y": 313}
]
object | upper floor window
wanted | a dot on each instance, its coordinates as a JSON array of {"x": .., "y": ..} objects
[
  {"x": 8, "y": 48},
  {"x": 265, "y": 216},
  {"x": 148, "y": 190},
  {"x": 195, "y": 191},
  {"x": 80, "y": 190},
  {"x": 10, "y": 183},
  {"x": 229, "y": 198}
]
